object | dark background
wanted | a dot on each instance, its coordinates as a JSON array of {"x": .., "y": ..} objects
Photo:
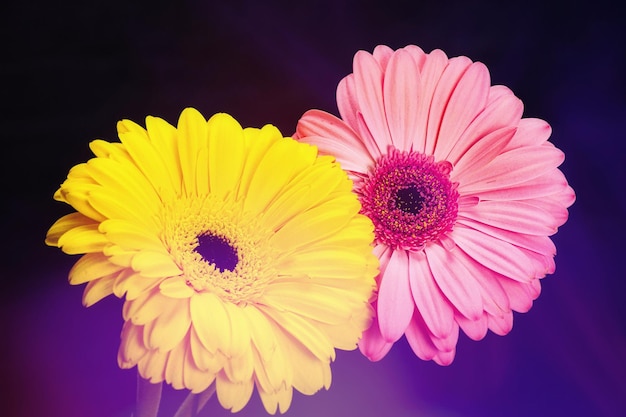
[{"x": 69, "y": 71}]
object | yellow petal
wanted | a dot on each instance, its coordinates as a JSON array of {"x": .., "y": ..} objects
[
  {"x": 192, "y": 135},
  {"x": 138, "y": 284},
  {"x": 202, "y": 172},
  {"x": 280, "y": 164},
  {"x": 256, "y": 144},
  {"x": 97, "y": 289},
  {"x": 240, "y": 368},
  {"x": 110, "y": 204},
  {"x": 64, "y": 224},
  {"x": 170, "y": 326},
  {"x": 125, "y": 126},
  {"x": 130, "y": 236},
  {"x": 151, "y": 166},
  {"x": 195, "y": 379},
  {"x": 76, "y": 194},
  {"x": 175, "y": 366},
  {"x": 211, "y": 322},
  {"x": 308, "y": 189},
  {"x": 126, "y": 182},
  {"x": 274, "y": 374},
  {"x": 310, "y": 373},
  {"x": 240, "y": 333},
  {"x": 316, "y": 224},
  {"x": 104, "y": 149},
  {"x": 280, "y": 399},
  {"x": 320, "y": 303},
  {"x": 152, "y": 365},
  {"x": 92, "y": 266},
  {"x": 155, "y": 264},
  {"x": 210, "y": 362},
  {"x": 164, "y": 138},
  {"x": 82, "y": 239},
  {"x": 226, "y": 153},
  {"x": 261, "y": 332},
  {"x": 346, "y": 335},
  {"x": 118, "y": 255},
  {"x": 233, "y": 396},
  {"x": 176, "y": 287},
  {"x": 302, "y": 331},
  {"x": 325, "y": 262},
  {"x": 131, "y": 348}
]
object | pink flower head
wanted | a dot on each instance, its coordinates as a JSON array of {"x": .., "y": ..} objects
[{"x": 463, "y": 192}]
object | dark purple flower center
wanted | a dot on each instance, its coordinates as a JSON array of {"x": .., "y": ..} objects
[
  {"x": 410, "y": 199},
  {"x": 217, "y": 251}
]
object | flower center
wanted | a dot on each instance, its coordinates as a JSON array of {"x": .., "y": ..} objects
[
  {"x": 217, "y": 251},
  {"x": 218, "y": 248},
  {"x": 410, "y": 199}
]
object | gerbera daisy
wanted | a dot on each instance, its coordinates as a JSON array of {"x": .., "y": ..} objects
[
  {"x": 241, "y": 255},
  {"x": 463, "y": 192}
]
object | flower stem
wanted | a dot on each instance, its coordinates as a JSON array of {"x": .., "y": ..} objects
[
  {"x": 148, "y": 397},
  {"x": 194, "y": 403}
]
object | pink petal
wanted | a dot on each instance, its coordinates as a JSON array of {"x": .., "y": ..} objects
[
  {"x": 468, "y": 99},
  {"x": 497, "y": 255},
  {"x": 516, "y": 216},
  {"x": 483, "y": 151},
  {"x": 455, "y": 281},
  {"x": 401, "y": 91},
  {"x": 417, "y": 54},
  {"x": 500, "y": 325},
  {"x": 445, "y": 87},
  {"x": 550, "y": 183},
  {"x": 333, "y": 137},
  {"x": 510, "y": 168},
  {"x": 395, "y": 304},
  {"x": 549, "y": 265},
  {"x": 495, "y": 299},
  {"x": 372, "y": 344},
  {"x": 382, "y": 54},
  {"x": 433, "y": 306},
  {"x": 535, "y": 288},
  {"x": 434, "y": 66},
  {"x": 368, "y": 78},
  {"x": 444, "y": 358},
  {"x": 497, "y": 92},
  {"x": 383, "y": 253},
  {"x": 418, "y": 336},
  {"x": 530, "y": 132},
  {"x": 565, "y": 197},
  {"x": 350, "y": 112},
  {"x": 502, "y": 110},
  {"x": 557, "y": 210},
  {"x": 521, "y": 295},
  {"x": 475, "y": 329},
  {"x": 347, "y": 101},
  {"x": 448, "y": 343}
]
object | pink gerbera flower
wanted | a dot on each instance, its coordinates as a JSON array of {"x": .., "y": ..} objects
[{"x": 464, "y": 194}]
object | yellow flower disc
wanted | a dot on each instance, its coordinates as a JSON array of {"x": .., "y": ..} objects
[{"x": 240, "y": 253}]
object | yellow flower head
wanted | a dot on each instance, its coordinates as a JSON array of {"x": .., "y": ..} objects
[{"x": 241, "y": 255}]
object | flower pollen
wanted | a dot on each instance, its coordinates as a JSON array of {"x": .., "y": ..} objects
[{"x": 410, "y": 198}]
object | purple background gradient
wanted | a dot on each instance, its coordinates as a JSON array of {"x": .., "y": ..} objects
[{"x": 69, "y": 72}]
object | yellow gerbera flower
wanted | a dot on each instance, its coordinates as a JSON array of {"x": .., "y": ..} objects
[{"x": 241, "y": 255}]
